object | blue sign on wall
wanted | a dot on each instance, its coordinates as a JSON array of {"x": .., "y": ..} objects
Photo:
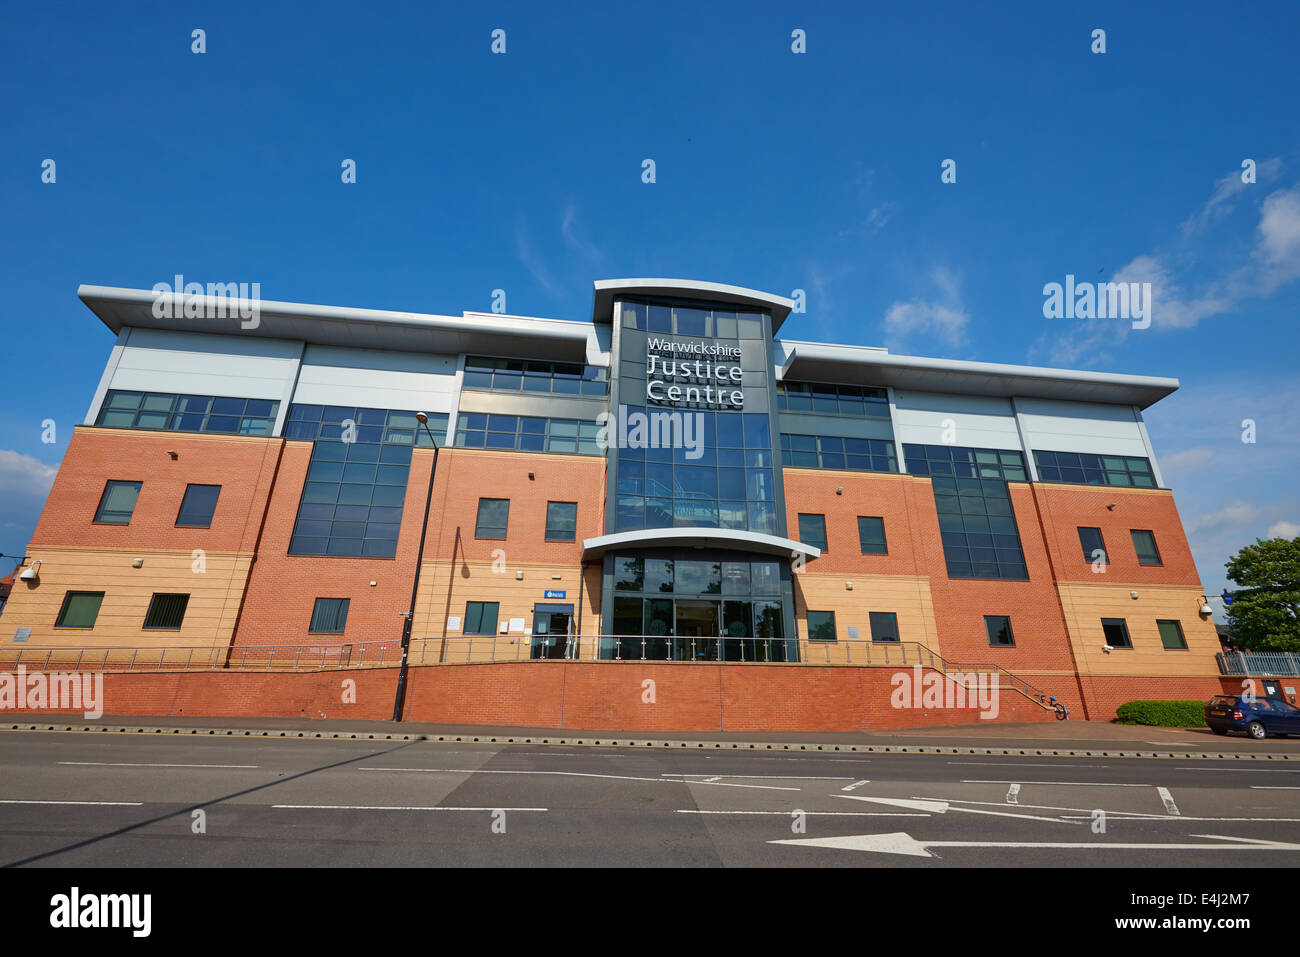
[{"x": 552, "y": 594}]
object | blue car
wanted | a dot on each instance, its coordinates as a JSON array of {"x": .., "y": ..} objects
[{"x": 1256, "y": 716}]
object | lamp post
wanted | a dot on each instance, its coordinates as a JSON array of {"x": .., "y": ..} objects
[{"x": 423, "y": 418}]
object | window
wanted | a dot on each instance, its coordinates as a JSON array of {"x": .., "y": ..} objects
[
  {"x": 821, "y": 626},
  {"x": 117, "y": 503},
  {"x": 166, "y": 612},
  {"x": 170, "y": 412},
  {"x": 563, "y": 378},
  {"x": 999, "y": 629},
  {"x": 884, "y": 626},
  {"x": 561, "y": 521},
  {"x": 977, "y": 523},
  {"x": 355, "y": 490},
  {"x": 480, "y": 618},
  {"x": 831, "y": 452},
  {"x": 80, "y": 609},
  {"x": 197, "y": 506},
  {"x": 329, "y": 616},
  {"x": 524, "y": 433},
  {"x": 871, "y": 534},
  {"x": 1094, "y": 546},
  {"x": 812, "y": 530},
  {"x": 1115, "y": 631},
  {"x": 827, "y": 399},
  {"x": 1171, "y": 635},
  {"x": 1144, "y": 543},
  {"x": 1094, "y": 469},
  {"x": 493, "y": 518}
]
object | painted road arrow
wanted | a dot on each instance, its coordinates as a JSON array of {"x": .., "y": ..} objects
[
  {"x": 943, "y": 807},
  {"x": 905, "y": 844}
]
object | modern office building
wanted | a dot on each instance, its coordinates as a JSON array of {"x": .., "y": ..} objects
[{"x": 674, "y": 479}]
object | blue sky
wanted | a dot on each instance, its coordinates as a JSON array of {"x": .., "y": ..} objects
[{"x": 818, "y": 171}]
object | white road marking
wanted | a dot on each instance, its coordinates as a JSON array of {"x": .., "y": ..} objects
[
  {"x": 1272, "y": 787},
  {"x": 384, "y": 807},
  {"x": 943, "y": 807},
  {"x": 83, "y": 803},
  {"x": 1219, "y": 769},
  {"x": 758, "y": 777},
  {"x": 901, "y": 843},
  {"x": 1168, "y": 800},
  {"x": 584, "y": 774},
  {"x": 855, "y": 784},
  {"x": 815, "y": 813},
  {"x": 1013, "y": 794},
  {"x": 1020, "y": 764},
  {"x": 119, "y": 764},
  {"x": 1066, "y": 784},
  {"x": 1134, "y": 816}
]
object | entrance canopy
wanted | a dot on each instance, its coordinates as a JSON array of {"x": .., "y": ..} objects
[{"x": 732, "y": 539}]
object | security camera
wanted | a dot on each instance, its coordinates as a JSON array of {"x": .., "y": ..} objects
[{"x": 1106, "y": 648}]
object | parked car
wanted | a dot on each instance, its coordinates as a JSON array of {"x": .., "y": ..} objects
[{"x": 1257, "y": 716}]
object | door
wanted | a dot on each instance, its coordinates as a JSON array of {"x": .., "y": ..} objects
[
  {"x": 552, "y": 625},
  {"x": 697, "y": 631}
]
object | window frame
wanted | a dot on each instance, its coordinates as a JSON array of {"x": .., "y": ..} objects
[
  {"x": 1087, "y": 557},
  {"x": 835, "y": 634},
  {"x": 103, "y": 498},
  {"x": 346, "y": 608},
  {"x": 211, "y": 515},
  {"x": 1178, "y": 626},
  {"x": 988, "y": 621},
  {"x": 893, "y": 617},
  {"x": 1122, "y": 623},
  {"x": 496, "y": 618},
  {"x": 478, "y": 521},
  {"x": 63, "y": 609},
  {"x": 1159, "y": 562},
  {"x": 884, "y": 537},
  {"x": 824, "y": 545},
  {"x": 573, "y": 536},
  {"x": 153, "y": 601}
]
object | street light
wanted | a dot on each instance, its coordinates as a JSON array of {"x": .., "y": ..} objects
[{"x": 423, "y": 418}]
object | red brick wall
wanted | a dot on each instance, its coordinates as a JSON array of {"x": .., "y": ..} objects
[
  {"x": 574, "y": 695},
  {"x": 244, "y": 467}
]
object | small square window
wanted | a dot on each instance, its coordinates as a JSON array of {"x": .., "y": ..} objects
[
  {"x": 493, "y": 518},
  {"x": 821, "y": 626},
  {"x": 999, "y": 629},
  {"x": 1171, "y": 635},
  {"x": 80, "y": 609},
  {"x": 480, "y": 618},
  {"x": 1115, "y": 631},
  {"x": 884, "y": 626},
  {"x": 329, "y": 616},
  {"x": 561, "y": 521},
  {"x": 1144, "y": 543},
  {"x": 166, "y": 612},
  {"x": 812, "y": 530},
  {"x": 117, "y": 503},
  {"x": 871, "y": 535},
  {"x": 198, "y": 506}
]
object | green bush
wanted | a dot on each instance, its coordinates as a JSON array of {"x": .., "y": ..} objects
[{"x": 1164, "y": 714}]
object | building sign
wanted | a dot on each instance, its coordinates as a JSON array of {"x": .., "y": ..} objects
[
  {"x": 549, "y": 593},
  {"x": 715, "y": 364}
]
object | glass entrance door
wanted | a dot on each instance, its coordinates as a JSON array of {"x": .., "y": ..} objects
[
  {"x": 697, "y": 631},
  {"x": 551, "y": 627}
]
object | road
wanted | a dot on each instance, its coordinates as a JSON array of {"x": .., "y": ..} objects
[{"x": 98, "y": 799}]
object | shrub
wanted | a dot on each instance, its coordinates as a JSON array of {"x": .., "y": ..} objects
[{"x": 1164, "y": 714}]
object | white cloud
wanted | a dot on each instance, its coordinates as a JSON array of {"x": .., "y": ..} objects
[
  {"x": 26, "y": 483},
  {"x": 569, "y": 230},
  {"x": 943, "y": 317},
  {"x": 1186, "y": 462},
  {"x": 1284, "y": 530}
]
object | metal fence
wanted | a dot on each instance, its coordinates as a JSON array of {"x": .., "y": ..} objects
[
  {"x": 479, "y": 649},
  {"x": 1263, "y": 663}
]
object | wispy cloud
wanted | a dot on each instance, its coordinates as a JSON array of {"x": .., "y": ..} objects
[
  {"x": 26, "y": 482},
  {"x": 941, "y": 317},
  {"x": 535, "y": 265},
  {"x": 570, "y": 231}
]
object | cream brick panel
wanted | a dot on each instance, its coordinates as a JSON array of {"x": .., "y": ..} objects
[
  {"x": 1085, "y": 604},
  {"x": 445, "y": 588},
  {"x": 215, "y": 595},
  {"x": 906, "y": 595}
]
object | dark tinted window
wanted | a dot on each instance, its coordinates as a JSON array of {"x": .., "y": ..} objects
[
  {"x": 480, "y": 618},
  {"x": 166, "y": 612},
  {"x": 329, "y": 616},
  {"x": 812, "y": 530},
  {"x": 1144, "y": 543},
  {"x": 999, "y": 629},
  {"x": 1094, "y": 546},
  {"x": 561, "y": 521},
  {"x": 198, "y": 506},
  {"x": 117, "y": 503},
  {"x": 871, "y": 535},
  {"x": 821, "y": 626},
  {"x": 884, "y": 626},
  {"x": 1115, "y": 631},
  {"x": 1171, "y": 635},
  {"x": 493, "y": 518},
  {"x": 80, "y": 609}
]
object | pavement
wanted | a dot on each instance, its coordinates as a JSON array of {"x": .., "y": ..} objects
[{"x": 176, "y": 798}]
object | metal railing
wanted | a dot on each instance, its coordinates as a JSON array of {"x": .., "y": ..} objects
[
  {"x": 1278, "y": 663},
  {"x": 480, "y": 649}
]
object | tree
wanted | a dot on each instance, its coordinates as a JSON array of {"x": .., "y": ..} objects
[{"x": 1265, "y": 612}]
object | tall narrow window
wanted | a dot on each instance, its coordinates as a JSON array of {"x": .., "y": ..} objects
[
  {"x": 871, "y": 534},
  {"x": 1144, "y": 543},
  {"x": 1094, "y": 546},
  {"x": 561, "y": 521},
  {"x": 493, "y": 518},
  {"x": 166, "y": 612},
  {"x": 999, "y": 629},
  {"x": 80, "y": 609},
  {"x": 117, "y": 503},
  {"x": 812, "y": 530},
  {"x": 329, "y": 616},
  {"x": 198, "y": 506}
]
